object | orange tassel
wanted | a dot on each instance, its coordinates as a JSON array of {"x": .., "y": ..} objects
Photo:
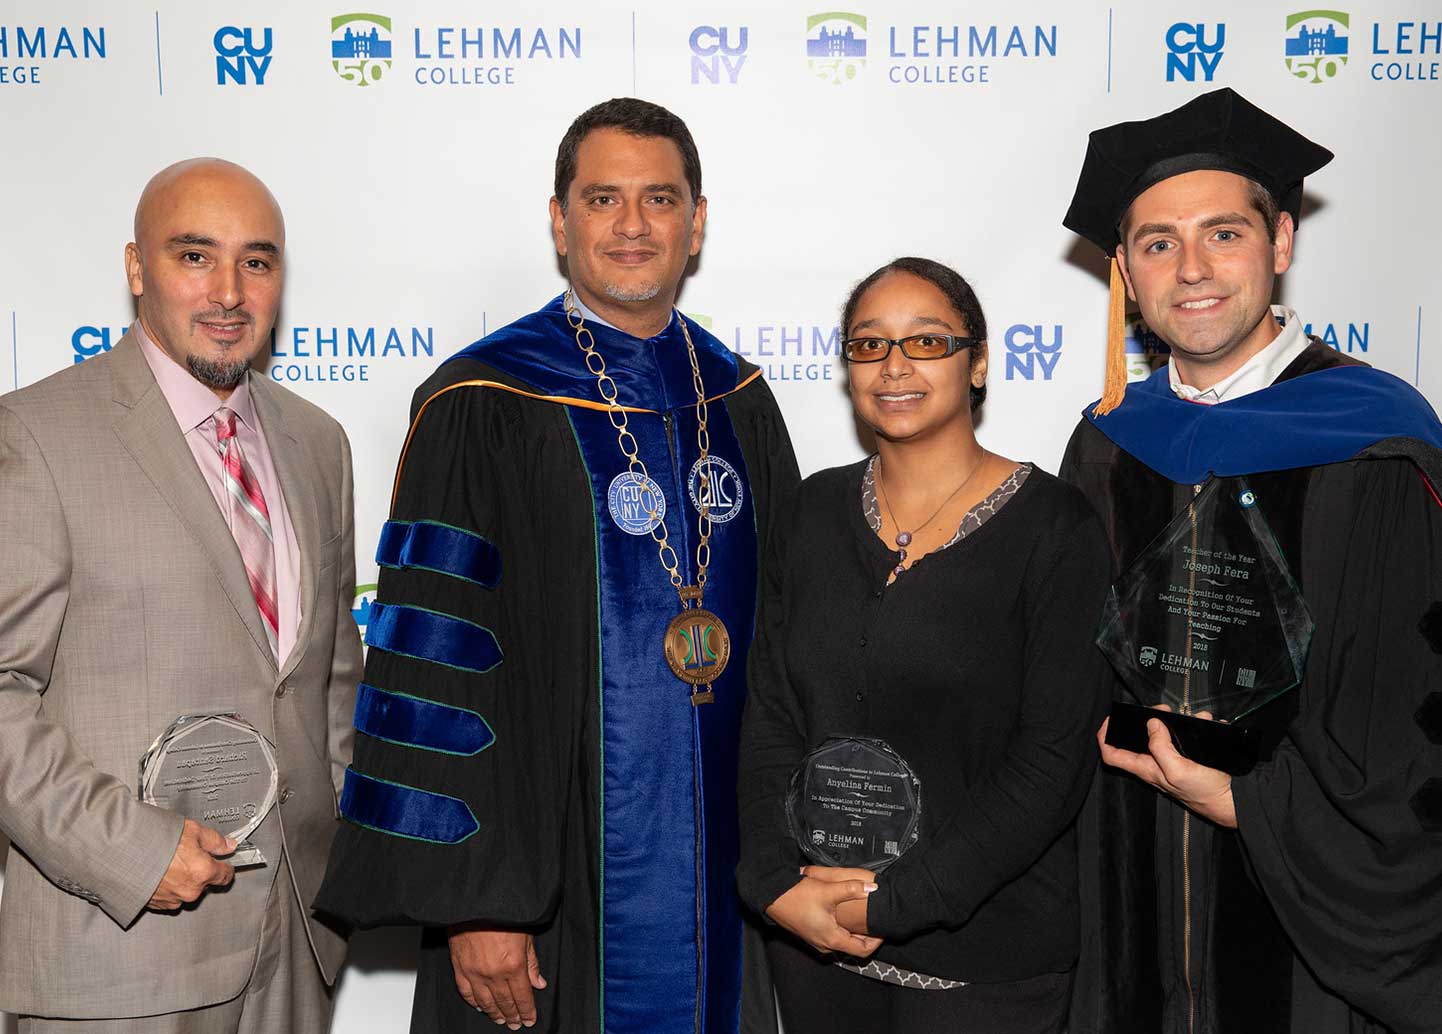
[{"x": 1115, "y": 387}]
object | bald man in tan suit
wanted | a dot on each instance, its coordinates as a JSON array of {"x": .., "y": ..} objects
[{"x": 175, "y": 537}]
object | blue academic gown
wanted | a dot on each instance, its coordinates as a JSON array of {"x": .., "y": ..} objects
[{"x": 525, "y": 757}]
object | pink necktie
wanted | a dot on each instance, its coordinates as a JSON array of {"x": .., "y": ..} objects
[{"x": 249, "y": 523}]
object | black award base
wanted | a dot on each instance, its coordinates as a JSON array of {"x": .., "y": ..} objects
[{"x": 1228, "y": 748}]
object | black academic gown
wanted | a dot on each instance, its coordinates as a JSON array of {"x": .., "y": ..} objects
[
  {"x": 566, "y": 786},
  {"x": 1322, "y": 913}
]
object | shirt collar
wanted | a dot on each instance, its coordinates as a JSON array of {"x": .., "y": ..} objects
[
  {"x": 191, "y": 402},
  {"x": 591, "y": 317},
  {"x": 587, "y": 314},
  {"x": 1256, "y": 373}
]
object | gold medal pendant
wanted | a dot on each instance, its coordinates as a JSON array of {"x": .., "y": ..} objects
[{"x": 697, "y": 649}]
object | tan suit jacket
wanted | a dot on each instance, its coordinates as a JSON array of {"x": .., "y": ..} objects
[{"x": 123, "y": 604}]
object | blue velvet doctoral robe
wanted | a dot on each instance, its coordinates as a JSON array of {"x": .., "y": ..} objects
[{"x": 525, "y": 757}]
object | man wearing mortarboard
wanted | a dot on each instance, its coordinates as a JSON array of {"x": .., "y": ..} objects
[{"x": 1305, "y": 894}]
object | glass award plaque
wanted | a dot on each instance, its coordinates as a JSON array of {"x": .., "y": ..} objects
[
  {"x": 854, "y": 803},
  {"x": 217, "y": 769},
  {"x": 1208, "y": 618}
]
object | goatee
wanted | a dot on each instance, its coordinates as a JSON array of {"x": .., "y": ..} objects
[
  {"x": 221, "y": 374},
  {"x": 640, "y": 293}
]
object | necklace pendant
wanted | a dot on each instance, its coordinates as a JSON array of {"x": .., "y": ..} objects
[
  {"x": 697, "y": 648},
  {"x": 702, "y": 696},
  {"x": 903, "y": 539}
]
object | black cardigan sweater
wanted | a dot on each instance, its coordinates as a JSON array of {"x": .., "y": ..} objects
[{"x": 978, "y": 666}]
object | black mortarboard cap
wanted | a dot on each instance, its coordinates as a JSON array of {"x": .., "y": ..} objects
[{"x": 1218, "y": 130}]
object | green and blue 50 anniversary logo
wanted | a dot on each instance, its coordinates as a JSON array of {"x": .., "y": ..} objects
[{"x": 360, "y": 47}]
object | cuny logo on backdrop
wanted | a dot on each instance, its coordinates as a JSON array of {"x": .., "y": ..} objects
[
  {"x": 360, "y": 47},
  {"x": 716, "y": 52},
  {"x": 242, "y": 55},
  {"x": 1316, "y": 47},
  {"x": 88, "y": 341},
  {"x": 836, "y": 46},
  {"x": 1189, "y": 51},
  {"x": 942, "y": 55},
  {"x": 1029, "y": 353},
  {"x": 26, "y": 49}
]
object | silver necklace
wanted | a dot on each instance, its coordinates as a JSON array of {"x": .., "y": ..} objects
[{"x": 903, "y": 538}]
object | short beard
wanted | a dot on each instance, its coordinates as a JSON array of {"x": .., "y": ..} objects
[
  {"x": 644, "y": 293},
  {"x": 222, "y": 375}
]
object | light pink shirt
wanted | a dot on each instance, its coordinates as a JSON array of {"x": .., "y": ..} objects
[{"x": 194, "y": 405}]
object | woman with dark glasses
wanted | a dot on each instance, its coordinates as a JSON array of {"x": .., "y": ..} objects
[{"x": 942, "y": 599}]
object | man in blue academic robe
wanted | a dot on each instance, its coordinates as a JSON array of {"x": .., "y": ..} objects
[{"x": 545, "y": 767}]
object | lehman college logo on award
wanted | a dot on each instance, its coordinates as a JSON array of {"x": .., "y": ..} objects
[
  {"x": 1317, "y": 44},
  {"x": 836, "y": 46},
  {"x": 360, "y": 47}
]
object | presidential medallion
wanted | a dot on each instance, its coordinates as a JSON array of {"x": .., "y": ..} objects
[{"x": 697, "y": 649}]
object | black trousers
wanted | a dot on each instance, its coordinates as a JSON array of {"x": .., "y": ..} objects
[{"x": 817, "y": 997}]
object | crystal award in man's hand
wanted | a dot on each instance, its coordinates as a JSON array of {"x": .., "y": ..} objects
[
  {"x": 217, "y": 769},
  {"x": 854, "y": 803},
  {"x": 1208, "y": 618}
]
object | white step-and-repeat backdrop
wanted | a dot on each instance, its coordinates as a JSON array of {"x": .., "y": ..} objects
[{"x": 411, "y": 147}]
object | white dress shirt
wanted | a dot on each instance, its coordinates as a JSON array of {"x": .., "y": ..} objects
[{"x": 1256, "y": 373}]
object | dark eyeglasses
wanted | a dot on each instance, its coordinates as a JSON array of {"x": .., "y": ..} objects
[{"x": 918, "y": 346}]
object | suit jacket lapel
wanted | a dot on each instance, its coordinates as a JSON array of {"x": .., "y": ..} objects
[
  {"x": 298, "y": 477},
  {"x": 148, "y": 431}
]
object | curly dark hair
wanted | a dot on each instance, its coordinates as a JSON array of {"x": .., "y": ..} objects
[
  {"x": 629, "y": 115},
  {"x": 949, "y": 282}
]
